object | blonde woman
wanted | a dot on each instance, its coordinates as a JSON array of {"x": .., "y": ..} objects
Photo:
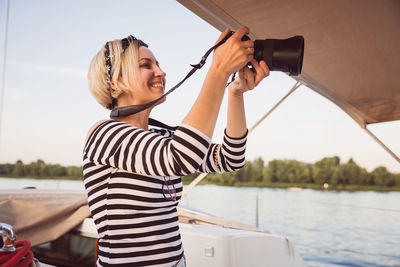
[{"x": 132, "y": 173}]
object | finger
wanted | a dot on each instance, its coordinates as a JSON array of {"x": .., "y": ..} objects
[
  {"x": 242, "y": 77},
  {"x": 250, "y": 56},
  {"x": 260, "y": 74},
  {"x": 250, "y": 50},
  {"x": 222, "y": 36},
  {"x": 241, "y": 74},
  {"x": 241, "y": 32},
  {"x": 264, "y": 67},
  {"x": 249, "y": 78},
  {"x": 248, "y": 43}
]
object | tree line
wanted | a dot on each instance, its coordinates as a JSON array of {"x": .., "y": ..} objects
[
  {"x": 40, "y": 169},
  {"x": 328, "y": 170}
]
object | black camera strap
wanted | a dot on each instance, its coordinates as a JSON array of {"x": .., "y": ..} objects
[{"x": 129, "y": 110}]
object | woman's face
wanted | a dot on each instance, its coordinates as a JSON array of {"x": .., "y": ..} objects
[{"x": 152, "y": 78}]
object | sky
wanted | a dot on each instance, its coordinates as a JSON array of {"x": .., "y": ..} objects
[{"x": 48, "y": 109}]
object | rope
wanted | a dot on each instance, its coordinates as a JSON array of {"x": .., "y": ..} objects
[{"x": 22, "y": 257}]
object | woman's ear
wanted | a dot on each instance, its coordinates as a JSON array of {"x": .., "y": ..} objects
[
  {"x": 116, "y": 91},
  {"x": 113, "y": 86}
]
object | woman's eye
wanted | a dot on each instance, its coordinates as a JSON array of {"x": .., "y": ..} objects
[{"x": 146, "y": 65}]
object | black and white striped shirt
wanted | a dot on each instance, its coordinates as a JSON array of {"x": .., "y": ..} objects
[{"x": 130, "y": 175}]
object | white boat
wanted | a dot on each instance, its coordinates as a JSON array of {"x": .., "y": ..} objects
[{"x": 59, "y": 226}]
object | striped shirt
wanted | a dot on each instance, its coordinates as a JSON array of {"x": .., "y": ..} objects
[{"x": 132, "y": 176}]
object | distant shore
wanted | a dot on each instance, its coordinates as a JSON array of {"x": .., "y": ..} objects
[
  {"x": 309, "y": 186},
  {"x": 292, "y": 186},
  {"x": 328, "y": 173}
]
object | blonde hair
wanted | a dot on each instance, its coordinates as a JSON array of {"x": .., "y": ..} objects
[{"x": 124, "y": 67}]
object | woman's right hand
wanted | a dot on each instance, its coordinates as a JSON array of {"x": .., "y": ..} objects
[{"x": 234, "y": 54}]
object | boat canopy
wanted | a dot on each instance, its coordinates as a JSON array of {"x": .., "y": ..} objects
[
  {"x": 352, "y": 48},
  {"x": 42, "y": 215}
]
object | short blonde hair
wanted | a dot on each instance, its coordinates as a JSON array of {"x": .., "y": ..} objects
[{"x": 124, "y": 65}]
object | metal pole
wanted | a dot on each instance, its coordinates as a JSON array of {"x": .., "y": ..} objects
[
  {"x": 3, "y": 76},
  {"x": 297, "y": 85},
  {"x": 257, "y": 223},
  {"x": 382, "y": 144},
  {"x": 193, "y": 183}
]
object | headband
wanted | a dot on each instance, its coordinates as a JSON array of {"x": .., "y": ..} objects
[{"x": 126, "y": 42}]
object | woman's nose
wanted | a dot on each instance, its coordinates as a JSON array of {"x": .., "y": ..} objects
[{"x": 159, "y": 72}]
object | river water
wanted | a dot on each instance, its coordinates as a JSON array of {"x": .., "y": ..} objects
[{"x": 327, "y": 228}]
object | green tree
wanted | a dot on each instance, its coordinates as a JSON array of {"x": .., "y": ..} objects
[
  {"x": 258, "y": 167},
  {"x": 247, "y": 172},
  {"x": 365, "y": 177},
  {"x": 306, "y": 174},
  {"x": 34, "y": 168},
  {"x": 381, "y": 176},
  {"x": 18, "y": 169},
  {"x": 227, "y": 179},
  {"x": 271, "y": 172},
  {"x": 348, "y": 173},
  {"x": 43, "y": 169},
  {"x": 57, "y": 170},
  {"x": 6, "y": 169},
  {"x": 324, "y": 169},
  {"x": 74, "y": 171},
  {"x": 396, "y": 177}
]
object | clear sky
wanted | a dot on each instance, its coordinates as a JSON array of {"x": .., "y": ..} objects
[{"x": 48, "y": 108}]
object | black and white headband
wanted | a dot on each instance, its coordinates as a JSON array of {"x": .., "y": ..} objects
[{"x": 126, "y": 42}]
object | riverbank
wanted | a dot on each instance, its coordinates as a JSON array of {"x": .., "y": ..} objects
[
  {"x": 307, "y": 186},
  {"x": 294, "y": 186},
  {"x": 327, "y": 173},
  {"x": 68, "y": 178}
]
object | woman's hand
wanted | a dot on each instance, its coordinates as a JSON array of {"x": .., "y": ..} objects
[
  {"x": 234, "y": 54},
  {"x": 248, "y": 79}
]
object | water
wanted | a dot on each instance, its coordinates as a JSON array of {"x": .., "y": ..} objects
[
  {"x": 9, "y": 183},
  {"x": 327, "y": 228}
]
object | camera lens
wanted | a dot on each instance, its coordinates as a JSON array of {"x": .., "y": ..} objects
[{"x": 281, "y": 54}]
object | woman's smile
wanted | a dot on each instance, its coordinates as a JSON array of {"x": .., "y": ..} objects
[{"x": 157, "y": 84}]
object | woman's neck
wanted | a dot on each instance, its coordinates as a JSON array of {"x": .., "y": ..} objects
[{"x": 139, "y": 120}]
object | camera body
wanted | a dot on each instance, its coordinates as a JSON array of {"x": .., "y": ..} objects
[{"x": 280, "y": 54}]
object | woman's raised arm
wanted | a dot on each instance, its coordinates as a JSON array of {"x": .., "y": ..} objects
[{"x": 228, "y": 58}]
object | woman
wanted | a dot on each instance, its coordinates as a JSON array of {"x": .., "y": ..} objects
[{"x": 132, "y": 174}]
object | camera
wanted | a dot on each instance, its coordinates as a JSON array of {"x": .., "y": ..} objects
[{"x": 280, "y": 54}]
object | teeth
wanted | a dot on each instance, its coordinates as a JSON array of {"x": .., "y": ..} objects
[{"x": 157, "y": 85}]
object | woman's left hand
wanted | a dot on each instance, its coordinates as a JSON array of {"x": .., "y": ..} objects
[{"x": 248, "y": 79}]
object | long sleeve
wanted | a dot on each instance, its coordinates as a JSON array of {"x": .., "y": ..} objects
[
  {"x": 226, "y": 157},
  {"x": 125, "y": 147}
]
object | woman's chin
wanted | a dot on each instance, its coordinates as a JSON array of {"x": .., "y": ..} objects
[{"x": 162, "y": 100}]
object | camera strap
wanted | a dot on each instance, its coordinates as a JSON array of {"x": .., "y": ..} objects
[{"x": 129, "y": 110}]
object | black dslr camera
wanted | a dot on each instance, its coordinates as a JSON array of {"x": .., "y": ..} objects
[{"x": 280, "y": 54}]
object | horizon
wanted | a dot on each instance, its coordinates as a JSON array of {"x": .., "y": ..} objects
[
  {"x": 47, "y": 107},
  {"x": 265, "y": 162}
]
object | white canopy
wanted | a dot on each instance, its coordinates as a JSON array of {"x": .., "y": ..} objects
[{"x": 352, "y": 47}]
